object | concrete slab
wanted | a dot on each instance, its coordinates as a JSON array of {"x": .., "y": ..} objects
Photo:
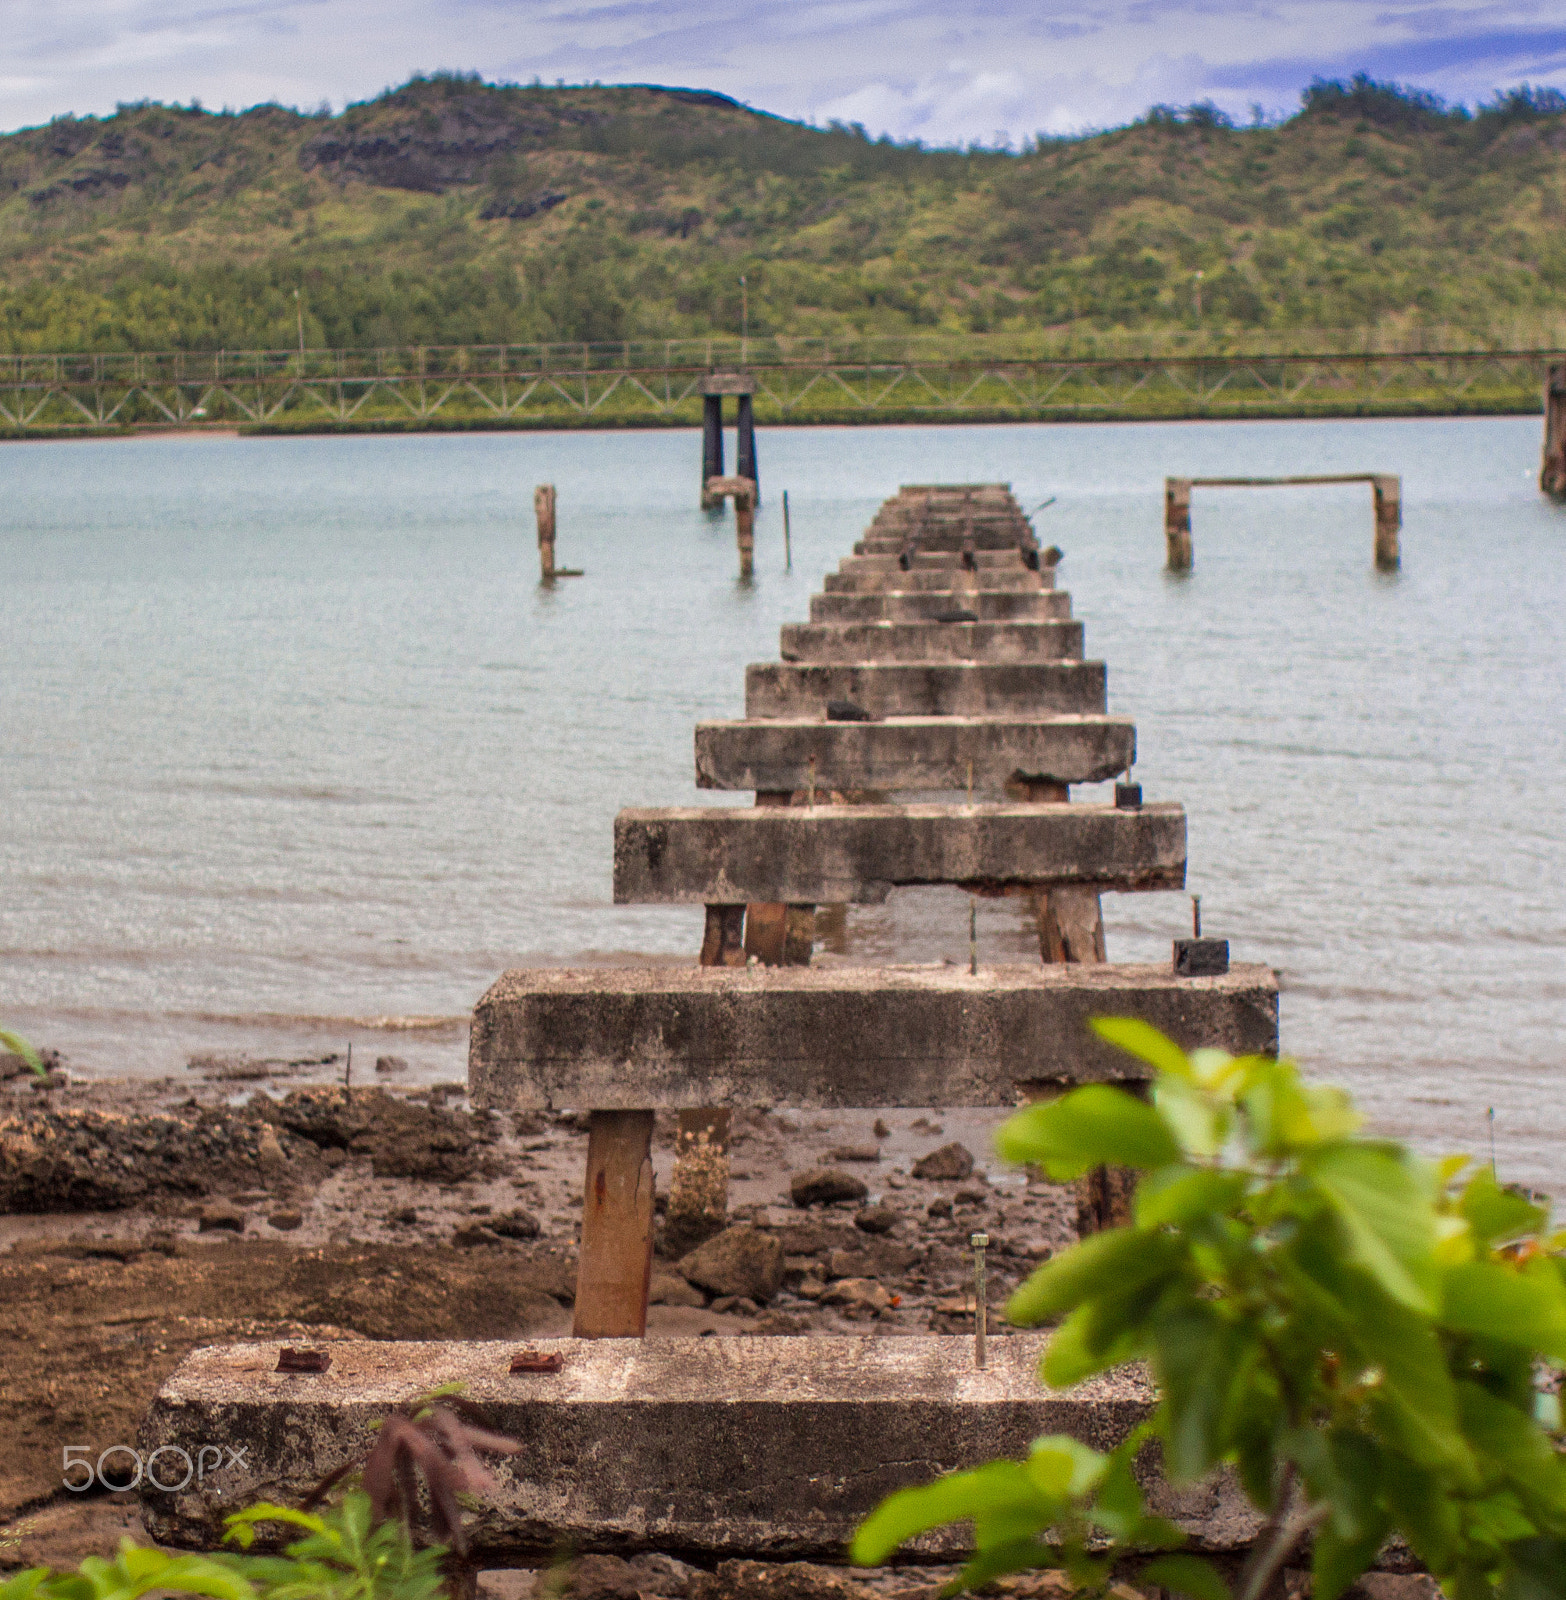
[
  {"x": 900, "y": 605},
  {"x": 827, "y": 1037},
  {"x": 702, "y": 1447},
  {"x": 950, "y": 537},
  {"x": 689, "y": 855},
  {"x": 854, "y": 578},
  {"x": 911, "y": 752},
  {"x": 949, "y": 689},
  {"x": 931, "y": 641}
]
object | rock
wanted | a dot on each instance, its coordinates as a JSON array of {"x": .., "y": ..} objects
[
  {"x": 880, "y": 1130},
  {"x": 871, "y": 1258},
  {"x": 518, "y": 1224},
  {"x": 401, "y": 1138},
  {"x": 741, "y": 1261},
  {"x": 221, "y": 1217},
  {"x": 858, "y": 1294},
  {"x": 404, "y": 1216},
  {"x": 972, "y": 1195},
  {"x": 875, "y": 1219},
  {"x": 390, "y": 1064},
  {"x": 811, "y": 1288},
  {"x": 856, "y": 1152},
  {"x": 334, "y": 1158},
  {"x": 736, "y": 1305},
  {"x": 661, "y": 1575},
  {"x": 778, "y": 1322},
  {"x": 670, "y": 1290},
  {"x": 592, "y": 1578},
  {"x": 471, "y": 1234},
  {"x": 770, "y": 1580},
  {"x": 822, "y": 1185},
  {"x": 951, "y": 1161},
  {"x": 940, "y": 1206},
  {"x": 286, "y": 1220}
]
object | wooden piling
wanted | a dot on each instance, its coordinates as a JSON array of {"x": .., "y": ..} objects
[
  {"x": 544, "y": 511},
  {"x": 1387, "y": 492},
  {"x": 1552, "y": 472},
  {"x": 745, "y": 530},
  {"x": 1177, "y": 524},
  {"x": 745, "y": 443},
  {"x": 614, "y": 1271},
  {"x": 723, "y": 941}
]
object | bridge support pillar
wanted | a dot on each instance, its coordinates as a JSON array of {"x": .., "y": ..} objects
[
  {"x": 745, "y": 445},
  {"x": 1552, "y": 474},
  {"x": 1177, "y": 524},
  {"x": 711, "y": 447},
  {"x": 1388, "y": 493}
]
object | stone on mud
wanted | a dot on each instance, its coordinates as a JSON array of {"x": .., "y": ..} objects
[
  {"x": 951, "y": 1161},
  {"x": 740, "y": 1261},
  {"x": 823, "y": 1185}
]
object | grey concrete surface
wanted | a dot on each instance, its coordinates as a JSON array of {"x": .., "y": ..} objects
[
  {"x": 834, "y": 1036},
  {"x": 848, "y": 854},
  {"x": 988, "y": 605},
  {"x": 857, "y": 577},
  {"x": 931, "y": 641},
  {"x": 705, "y": 1447},
  {"x": 927, "y": 689},
  {"x": 911, "y": 752}
]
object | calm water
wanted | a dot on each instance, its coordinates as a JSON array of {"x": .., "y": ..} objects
[{"x": 297, "y": 752}]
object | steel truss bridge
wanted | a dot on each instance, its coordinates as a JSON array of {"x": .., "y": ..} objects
[{"x": 799, "y": 380}]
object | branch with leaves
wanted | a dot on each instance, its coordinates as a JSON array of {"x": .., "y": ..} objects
[{"x": 1359, "y": 1334}]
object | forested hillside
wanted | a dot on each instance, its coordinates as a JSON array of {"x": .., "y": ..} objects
[{"x": 452, "y": 211}]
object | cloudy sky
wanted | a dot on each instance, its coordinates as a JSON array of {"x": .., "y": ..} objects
[{"x": 946, "y": 71}]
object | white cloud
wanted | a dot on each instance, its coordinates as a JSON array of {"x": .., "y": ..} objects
[{"x": 948, "y": 73}]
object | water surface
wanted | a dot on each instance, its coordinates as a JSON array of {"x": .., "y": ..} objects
[{"x": 297, "y": 751}]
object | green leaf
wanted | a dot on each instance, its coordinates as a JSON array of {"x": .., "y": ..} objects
[
  {"x": 23, "y": 1585},
  {"x": 1198, "y": 1357},
  {"x": 1188, "y": 1575},
  {"x": 1016, "y": 1555},
  {"x": 18, "y": 1046},
  {"x": 1336, "y": 1562},
  {"x": 1496, "y": 1215},
  {"x": 1087, "y": 1128},
  {"x": 1387, "y": 1217},
  {"x": 1186, "y": 1197},
  {"x": 1064, "y": 1468},
  {"x": 241, "y": 1525},
  {"x": 959, "y": 1497},
  {"x": 1117, "y": 1259},
  {"x": 1535, "y": 1570},
  {"x": 1145, "y": 1042},
  {"x": 1515, "y": 1306}
]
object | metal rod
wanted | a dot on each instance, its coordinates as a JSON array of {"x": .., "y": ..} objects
[
  {"x": 1196, "y": 916},
  {"x": 788, "y": 547},
  {"x": 973, "y": 936},
  {"x": 981, "y": 1310}
]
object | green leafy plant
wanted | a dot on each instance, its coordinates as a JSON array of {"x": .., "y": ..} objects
[
  {"x": 18, "y": 1046},
  {"x": 1372, "y": 1342}
]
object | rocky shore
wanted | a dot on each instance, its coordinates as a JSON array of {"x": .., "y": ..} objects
[{"x": 250, "y": 1200}]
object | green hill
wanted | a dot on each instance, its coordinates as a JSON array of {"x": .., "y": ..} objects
[{"x": 451, "y": 211}]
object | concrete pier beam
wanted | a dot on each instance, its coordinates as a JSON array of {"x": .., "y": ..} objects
[
  {"x": 878, "y": 580},
  {"x": 898, "y": 605},
  {"x": 824, "y": 1037},
  {"x": 927, "y": 689},
  {"x": 911, "y": 753},
  {"x": 823, "y": 855},
  {"x": 704, "y": 1447},
  {"x": 949, "y": 539},
  {"x": 932, "y": 641}
]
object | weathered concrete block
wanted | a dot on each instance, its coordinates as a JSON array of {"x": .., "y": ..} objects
[
  {"x": 988, "y": 605},
  {"x": 932, "y": 641},
  {"x": 679, "y": 1037},
  {"x": 857, "y": 577},
  {"x": 707, "y": 1447},
  {"x": 926, "y": 689},
  {"x": 911, "y": 752},
  {"x": 688, "y": 855},
  {"x": 997, "y": 563},
  {"x": 948, "y": 536}
]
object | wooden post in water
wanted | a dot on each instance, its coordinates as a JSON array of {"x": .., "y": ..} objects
[
  {"x": 1388, "y": 494},
  {"x": 711, "y": 447},
  {"x": 745, "y": 444},
  {"x": 544, "y": 511},
  {"x": 615, "y": 1268},
  {"x": 1177, "y": 524},
  {"x": 745, "y": 526},
  {"x": 1552, "y": 473}
]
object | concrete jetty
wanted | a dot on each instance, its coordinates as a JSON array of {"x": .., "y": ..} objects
[{"x": 778, "y": 1446}]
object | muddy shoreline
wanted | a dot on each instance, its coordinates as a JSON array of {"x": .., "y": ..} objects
[{"x": 246, "y": 1199}]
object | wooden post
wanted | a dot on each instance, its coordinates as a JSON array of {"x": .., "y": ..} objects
[
  {"x": 723, "y": 941},
  {"x": 1552, "y": 473},
  {"x": 745, "y": 443},
  {"x": 779, "y": 935},
  {"x": 711, "y": 446},
  {"x": 1388, "y": 494},
  {"x": 1177, "y": 524},
  {"x": 615, "y": 1269},
  {"x": 544, "y": 511},
  {"x": 745, "y": 526}
]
